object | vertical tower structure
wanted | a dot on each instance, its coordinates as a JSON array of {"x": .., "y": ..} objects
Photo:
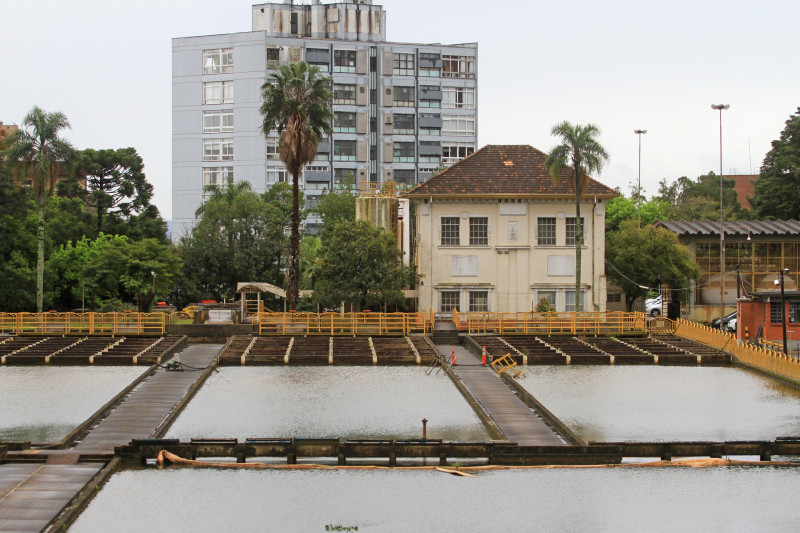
[{"x": 401, "y": 109}]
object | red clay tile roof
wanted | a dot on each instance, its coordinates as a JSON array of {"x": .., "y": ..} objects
[{"x": 506, "y": 170}]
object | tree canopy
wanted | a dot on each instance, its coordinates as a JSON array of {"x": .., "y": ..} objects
[
  {"x": 699, "y": 199},
  {"x": 361, "y": 265},
  {"x": 777, "y": 190},
  {"x": 638, "y": 257}
]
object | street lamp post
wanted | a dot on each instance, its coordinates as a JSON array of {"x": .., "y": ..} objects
[
  {"x": 639, "y": 183},
  {"x": 721, "y": 108},
  {"x": 783, "y": 311}
]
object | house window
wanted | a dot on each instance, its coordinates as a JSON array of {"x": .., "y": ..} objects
[
  {"x": 458, "y": 66},
  {"x": 572, "y": 229},
  {"x": 794, "y": 312},
  {"x": 344, "y": 60},
  {"x": 614, "y": 297},
  {"x": 218, "y": 121},
  {"x": 479, "y": 231},
  {"x": 403, "y": 65},
  {"x": 455, "y": 152},
  {"x": 547, "y": 231},
  {"x": 344, "y": 94},
  {"x": 403, "y": 97},
  {"x": 275, "y": 176},
  {"x": 218, "y": 92},
  {"x": 458, "y": 125},
  {"x": 479, "y": 301},
  {"x": 513, "y": 230},
  {"x": 217, "y": 149},
  {"x": 449, "y": 300},
  {"x": 569, "y": 301},
  {"x": 272, "y": 149},
  {"x": 273, "y": 57},
  {"x": 218, "y": 61},
  {"x": 344, "y": 122},
  {"x": 458, "y": 97},
  {"x": 344, "y": 151},
  {"x": 344, "y": 178},
  {"x": 550, "y": 296},
  {"x": 775, "y": 312},
  {"x": 450, "y": 231},
  {"x": 216, "y": 176},
  {"x": 403, "y": 152},
  {"x": 404, "y": 124}
]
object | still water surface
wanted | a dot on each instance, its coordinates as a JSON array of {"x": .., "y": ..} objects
[
  {"x": 651, "y": 499},
  {"x": 348, "y": 402},
  {"x": 644, "y": 403},
  {"x": 45, "y": 403}
]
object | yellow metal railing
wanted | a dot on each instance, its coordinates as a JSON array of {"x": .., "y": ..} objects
[
  {"x": 773, "y": 361},
  {"x": 83, "y": 323},
  {"x": 586, "y": 323},
  {"x": 508, "y": 365},
  {"x": 344, "y": 323}
]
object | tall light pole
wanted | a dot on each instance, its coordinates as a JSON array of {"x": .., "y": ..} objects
[
  {"x": 784, "y": 272},
  {"x": 721, "y": 108},
  {"x": 639, "y": 184}
]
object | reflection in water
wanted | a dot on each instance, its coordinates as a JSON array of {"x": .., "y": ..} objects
[
  {"x": 652, "y": 499},
  {"x": 348, "y": 402},
  {"x": 642, "y": 403},
  {"x": 45, "y": 403}
]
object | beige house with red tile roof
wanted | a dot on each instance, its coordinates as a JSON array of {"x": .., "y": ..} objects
[{"x": 495, "y": 233}]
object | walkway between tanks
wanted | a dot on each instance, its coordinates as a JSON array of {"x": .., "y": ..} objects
[
  {"x": 518, "y": 422},
  {"x": 33, "y": 495}
]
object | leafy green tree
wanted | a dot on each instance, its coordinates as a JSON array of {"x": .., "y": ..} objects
[
  {"x": 699, "y": 199},
  {"x": 238, "y": 237},
  {"x": 360, "y": 264},
  {"x": 335, "y": 207},
  {"x": 115, "y": 181},
  {"x": 310, "y": 248},
  {"x": 777, "y": 190},
  {"x": 580, "y": 148},
  {"x": 35, "y": 151},
  {"x": 623, "y": 208},
  {"x": 637, "y": 257},
  {"x": 18, "y": 245},
  {"x": 297, "y": 105}
]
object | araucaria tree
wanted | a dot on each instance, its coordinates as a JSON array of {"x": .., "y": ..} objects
[
  {"x": 296, "y": 104},
  {"x": 580, "y": 149},
  {"x": 36, "y": 150}
]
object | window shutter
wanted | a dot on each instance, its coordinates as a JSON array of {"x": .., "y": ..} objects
[{"x": 388, "y": 62}]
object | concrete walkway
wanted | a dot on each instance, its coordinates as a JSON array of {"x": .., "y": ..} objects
[{"x": 517, "y": 421}]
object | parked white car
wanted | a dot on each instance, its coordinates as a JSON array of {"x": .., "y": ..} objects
[
  {"x": 731, "y": 325},
  {"x": 652, "y": 306}
]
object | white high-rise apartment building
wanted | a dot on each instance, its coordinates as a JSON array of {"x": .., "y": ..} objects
[{"x": 401, "y": 109}]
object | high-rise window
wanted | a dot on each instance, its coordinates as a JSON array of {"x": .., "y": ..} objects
[
  {"x": 218, "y": 92},
  {"x": 344, "y": 178},
  {"x": 546, "y": 231},
  {"x": 458, "y": 97},
  {"x": 453, "y": 152},
  {"x": 404, "y": 124},
  {"x": 344, "y": 60},
  {"x": 450, "y": 228},
  {"x": 478, "y": 231},
  {"x": 344, "y": 150},
  {"x": 426, "y": 68},
  {"x": 218, "y": 121},
  {"x": 458, "y": 66},
  {"x": 216, "y": 176},
  {"x": 404, "y": 96},
  {"x": 217, "y": 149},
  {"x": 458, "y": 125},
  {"x": 572, "y": 227},
  {"x": 403, "y": 64},
  {"x": 218, "y": 61},
  {"x": 344, "y": 122},
  {"x": 344, "y": 94},
  {"x": 403, "y": 152},
  {"x": 272, "y": 149}
]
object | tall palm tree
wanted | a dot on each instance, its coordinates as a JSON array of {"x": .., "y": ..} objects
[
  {"x": 297, "y": 103},
  {"x": 35, "y": 150},
  {"x": 580, "y": 149}
]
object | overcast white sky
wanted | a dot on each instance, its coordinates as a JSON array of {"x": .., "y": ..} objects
[{"x": 655, "y": 65}]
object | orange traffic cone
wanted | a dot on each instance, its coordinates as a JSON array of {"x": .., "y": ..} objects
[{"x": 483, "y": 357}]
